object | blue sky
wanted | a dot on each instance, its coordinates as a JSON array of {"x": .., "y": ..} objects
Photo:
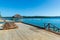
[{"x": 30, "y": 7}]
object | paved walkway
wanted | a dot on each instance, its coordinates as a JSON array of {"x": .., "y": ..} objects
[{"x": 27, "y": 32}]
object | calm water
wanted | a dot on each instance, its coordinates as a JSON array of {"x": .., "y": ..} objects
[
  {"x": 41, "y": 21},
  {"x": 37, "y": 21}
]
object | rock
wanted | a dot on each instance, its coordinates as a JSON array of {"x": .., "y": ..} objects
[
  {"x": 9, "y": 25},
  {"x": 17, "y": 16}
]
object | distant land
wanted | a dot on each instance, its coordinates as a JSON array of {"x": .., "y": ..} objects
[
  {"x": 37, "y": 17},
  {"x": 41, "y": 16}
]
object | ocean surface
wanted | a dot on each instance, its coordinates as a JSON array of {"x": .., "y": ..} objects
[{"x": 40, "y": 21}]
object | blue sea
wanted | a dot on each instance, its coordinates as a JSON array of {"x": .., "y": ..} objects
[{"x": 40, "y": 21}]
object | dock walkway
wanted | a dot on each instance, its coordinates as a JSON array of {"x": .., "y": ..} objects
[{"x": 27, "y": 32}]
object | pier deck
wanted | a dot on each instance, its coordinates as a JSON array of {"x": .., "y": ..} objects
[{"x": 27, "y": 32}]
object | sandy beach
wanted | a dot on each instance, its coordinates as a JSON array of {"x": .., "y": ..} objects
[{"x": 27, "y": 32}]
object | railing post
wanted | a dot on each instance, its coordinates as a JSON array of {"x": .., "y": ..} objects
[
  {"x": 49, "y": 27},
  {"x": 44, "y": 25},
  {"x": 52, "y": 28},
  {"x": 58, "y": 30}
]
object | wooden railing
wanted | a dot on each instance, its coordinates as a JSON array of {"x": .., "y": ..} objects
[{"x": 52, "y": 28}]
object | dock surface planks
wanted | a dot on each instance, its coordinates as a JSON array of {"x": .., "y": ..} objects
[{"x": 27, "y": 32}]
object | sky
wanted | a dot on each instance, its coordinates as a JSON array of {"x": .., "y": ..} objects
[{"x": 30, "y": 7}]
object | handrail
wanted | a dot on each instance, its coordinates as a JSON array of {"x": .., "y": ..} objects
[{"x": 52, "y": 28}]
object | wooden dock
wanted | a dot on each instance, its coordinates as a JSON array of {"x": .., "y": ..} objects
[{"x": 27, "y": 32}]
